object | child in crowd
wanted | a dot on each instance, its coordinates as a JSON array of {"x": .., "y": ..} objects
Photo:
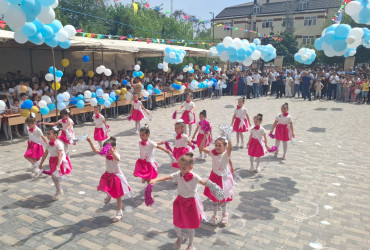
[
  {"x": 284, "y": 129},
  {"x": 146, "y": 167},
  {"x": 101, "y": 127},
  {"x": 318, "y": 87},
  {"x": 257, "y": 143},
  {"x": 188, "y": 116},
  {"x": 58, "y": 161},
  {"x": 36, "y": 141},
  {"x": 136, "y": 112},
  {"x": 16, "y": 109},
  {"x": 112, "y": 182},
  {"x": 67, "y": 136},
  {"x": 187, "y": 207},
  {"x": 203, "y": 123},
  {"x": 240, "y": 122}
]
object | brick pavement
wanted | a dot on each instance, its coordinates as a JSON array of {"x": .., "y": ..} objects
[{"x": 316, "y": 198}]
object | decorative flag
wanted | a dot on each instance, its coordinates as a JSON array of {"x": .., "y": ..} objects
[{"x": 135, "y": 7}]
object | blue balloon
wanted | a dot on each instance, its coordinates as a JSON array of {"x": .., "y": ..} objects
[
  {"x": 233, "y": 58},
  {"x": 339, "y": 45},
  {"x": 330, "y": 28},
  {"x": 112, "y": 94},
  {"x": 80, "y": 104},
  {"x": 61, "y": 105},
  {"x": 100, "y": 101},
  {"x": 29, "y": 29},
  {"x": 220, "y": 47},
  {"x": 167, "y": 59},
  {"x": 85, "y": 58},
  {"x": 150, "y": 92},
  {"x": 318, "y": 44},
  {"x": 145, "y": 98},
  {"x": 191, "y": 71},
  {"x": 59, "y": 73},
  {"x": 107, "y": 103},
  {"x": 93, "y": 94},
  {"x": 140, "y": 73},
  {"x": 297, "y": 57},
  {"x": 124, "y": 82},
  {"x": 149, "y": 87},
  {"x": 52, "y": 42},
  {"x": 329, "y": 38},
  {"x": 36, "y": 39},
  {"x": 31, "y": 9},
  {"x": 135, "y": 74},
  {"x": 44, "y": 111},
  {"x": 27, "y": 104},
  {"x": 342, "y": 30},
  {"x": 216, "y": 68},
  {"x": 248, "y": 53},
  {"x": 80, "y": 97},
  {"x": 207, "y": 71},
  {"x": 168, "y": 50},
  {"x": 178, "y": 86},
  {"x": 56, "y": 25},
  {"x": 74, "y": 101},
  {"x": 51, "y": 70},
  {"x": 61, "y": 98},
  {"x": 241, "y": 52},
  {"x": 51, "y": 106},
  {"x": 252, "y": 47},
  {"x": 46, "y": 2},
  {"x": 66, "y": 44},
  {"x": 99, "y": 92}
]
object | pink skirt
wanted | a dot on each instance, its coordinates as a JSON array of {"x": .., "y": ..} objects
[
  {"x": 185, "y": 213},
  {"x": 237, "y": 127},
  {"x": 99, "y": 134},
  {"x": 137, "y": 115},
  {"x": 255, "y": 148},
  {"x": 177, "y": 153},
  {"x": 111, "y": 184},
  {"x": 64, "y": 170},
  {"x": 200, "y": 139},
  {"x": 282, "y": 132},
  {"x": 186, "y": 118},
  {"x": 34, "y": 151},
  {"x": 145, "y": 170},
  {"x": 218, "y": 180},
  {"x": 63, "y": 137}
]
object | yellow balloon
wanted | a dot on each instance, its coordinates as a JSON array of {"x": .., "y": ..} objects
[
  {"x": 180, "y": 83},
  {"x": 118, "y": 92},
  {"x": 34, "y": 109},
  {"x": 23, "y": 89},
  {"x": 237, "y": 69},
  {"x": 169, "y": 70},
  {"x": 142, "y": 76},
  {"x": 53, "y": 86},
  {"x": 65, "y": 63},
  {"x": 25, "y": 112},
  {"x": 196, "y": 67},
  {"x": 90, "y": 73},
  {"x": 121, "y": 97},
  {"x": 172, "y": 89},
  {"x": 123, "y": 91},
  {"x": 79, "y": 73}
]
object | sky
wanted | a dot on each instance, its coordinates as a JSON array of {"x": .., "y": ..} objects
[{"x": 198, "y": 8}]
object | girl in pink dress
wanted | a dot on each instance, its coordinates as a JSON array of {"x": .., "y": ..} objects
[
  {"x": 112, "y": 182},
  {"x": 203, "y": 124},
  {"x": 257, "y": 144},
  {"x": 67, "y": 136},
  {"x": 136, "y": 112},
  {"x": 36, "y": 141},
  {"x": 188, "y": 209},
  {"x": 101, "y": 127},
  {"x": 146, "y": 167},
  {"x": 284, "y": 129},
  {"x": 222, "y": 175},
  {"x": 58, "y": 161},
  {"x": 240, "y": 122},
  {"x": 188, "y": 116},
  {"x": 182, "y": 143}
]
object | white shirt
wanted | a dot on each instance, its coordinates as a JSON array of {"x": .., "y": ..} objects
[
  {"x": 334, "y": 79},
  {"x": 258, "y": 134},
  {"x": 54, "y": 150},
  {"x": 241, "y": 113},
  {"x": 289, "y": 81},
  {"x": 296, "y": 79},
  {"x": 182, "y": 142},
  {"x": 137, "y": 105},
  {"x": 105, "y": 83},
  {"x": 249, "y": 81},
  {"x": 188, "y": 106},
  {"x": 220, "y": 163},
  {"x": 113, "y": 82},
  {"x": 66, "y": 125},
  {"x": 186, "y": 189},
  {"x": 281, "y": 119},
  {"x": 265, "y": 81},
  {"x": 147, "y": 151},
  {"x": 35, "y": 136},
  {"x": 256, "y": 78},
  {"x": 112, "y": 166},
  {"x": 99, "y": 122}
]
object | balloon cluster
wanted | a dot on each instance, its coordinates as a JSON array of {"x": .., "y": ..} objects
[
  {"x": 206, "y": 69},
  {"x": 164, "y": 66},
  {"x": 34, "y": 21},
  {"x": 102, "y": 69},
  {"x": 50, "y": 76},
  {"x": 305, "y": 56},
  {"x": 213, "y": 51},
  {"x": 189, "y": 68},
  {"x": 173, "y": 55},
  {"x": 27, "y": 107},
  {"x": 359, "y": 10},
  {"x": 268, "y": 52},
  {"x": 339, "y": 40},
  {"x": 366, "y": 38},
  {"x": 46, "y": 105},
  {"x": 137, "y": 72}
]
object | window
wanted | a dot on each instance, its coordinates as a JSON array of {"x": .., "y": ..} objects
[
  {"x": 267, "y": 23},
  {"x": 254, "y": 26},
  {"x": 256, "y": 9},
  {"x": 302, "y": 5},
  {"x": 308, "y": 40},
  {"x": 286, "y": 21},
  {"x": 228, "y": 24},
  {"x": 310, "y": 21}
]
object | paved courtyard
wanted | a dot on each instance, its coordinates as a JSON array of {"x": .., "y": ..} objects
[{"x": 317, "y": 198}]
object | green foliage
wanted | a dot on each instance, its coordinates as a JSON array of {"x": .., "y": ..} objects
[{"x": 287, "y": 47}]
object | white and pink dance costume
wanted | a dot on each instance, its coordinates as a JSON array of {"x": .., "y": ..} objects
[
  {"x": 113, "y": 182},
  {"x": 240, "y": 123},
  {"x": 257, "y": 142},
  {"x": 146, "y": 167},
  {"x": 180, "y": 149},
  {"x": 67, "y": 136},
  {"x": 35, "y": 144},
  {"x": 283, "y": 132},
  {"x": 221, "y": 175},
  {"x": 101, "y": 131},
  {"x": 137, "y": 113},
  {"x": 53, "y": 147},
  {"x": 201, "y": 134},
  {"x": 188, "y": 209},
  {"x": 188, "y": 117}
]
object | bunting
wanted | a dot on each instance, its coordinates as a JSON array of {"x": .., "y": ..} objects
[{"x": 337, "y": 18}]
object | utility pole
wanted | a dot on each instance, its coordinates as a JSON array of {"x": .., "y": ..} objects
[
  {"x": 171, "y": 7},
  {"x": 289, "y": 25},
  {"x": 213, "y": 27}
]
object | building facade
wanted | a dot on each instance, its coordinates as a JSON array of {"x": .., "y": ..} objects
[{"x": 304, "y": 18}]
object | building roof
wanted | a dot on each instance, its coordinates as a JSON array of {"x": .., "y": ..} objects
[{"x": 276, "y": 7}]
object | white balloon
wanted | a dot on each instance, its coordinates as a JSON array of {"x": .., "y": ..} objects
[
  {"x": 57, "y": 79},
  {"x": 165, "y": 64},
  {"x": 47, "y": 15},
  {"x": 224, "y": 56},
  {"x": 165, "y": 68},
  {"x": 105, "y": 96},
  {"x": 93, "y": 102},
  {"x": 144, "y": 93},
  {"x": 248, "y": 61},
  {"x": 71, "y": 31},
  {"x": 137, "y": 67},
  {"x": 19, "y": 37},
  {"x": 2, "y": 105},
  {"x": 227, "y": 41},
  {"x": 46, "y": 98},
  {"x": 182, "y": 91},
  {"x": 87, "y": 94},
  {"x": 42, "y": 104},
  {"x": 237, "y": 43},
  {"x": 55, "y": 4},
  {"x": 304, "y": 57},
  {"x": 256, "y": 55},
  {"x": 350, "y": 39},
  {"x": 185, "y": 70},
  {"x": 67, "y": 96},
  {"x": 99, "y": 70},
  {"x": 107, "y": 72},
  {"x": 49, "y": 77},
  {"x": 203, "y": 68},
  {"x": 353, "y": 8},
  {"x": 245, "y": 44},
  {"x": 62, "y": 35},
  {"x": 181, "y": 77},
  {"x": 172, "y": 54},
  {"x": 128, "y": 96},
  {"x": 219, "y": 69},
  {"x": 15, "y": 17},
  {"x": 3, "y": 7},
  {"x": 356, "y": 32},
  {"x": 190, "y": 68},
  {"x": 301, "y": 52}
]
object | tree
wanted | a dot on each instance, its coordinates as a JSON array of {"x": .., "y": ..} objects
[{"x": 287, "y": 47}]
